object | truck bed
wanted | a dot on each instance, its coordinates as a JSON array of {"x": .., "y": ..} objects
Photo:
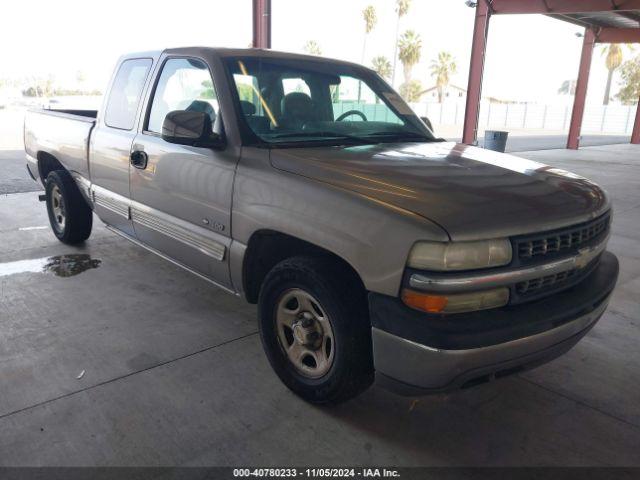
[
  {"x": 91, "y": 114},
  {"x": 62, "y": 133}
]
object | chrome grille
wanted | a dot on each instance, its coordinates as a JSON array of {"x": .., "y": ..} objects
[
  {"x": 564, "y": 240},
  {"x": 536, "y": 284},
  {"x": 543, "y": 286}
]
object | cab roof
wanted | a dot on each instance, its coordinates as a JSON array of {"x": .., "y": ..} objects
[{"x": 233, "y": 52}]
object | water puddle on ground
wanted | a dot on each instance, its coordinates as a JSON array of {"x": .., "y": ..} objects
[{"x": 60, "y": 265}]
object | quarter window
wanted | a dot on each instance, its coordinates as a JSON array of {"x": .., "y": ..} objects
[
  {"x": 126, "y": 92},
  {"x": 184, "y": 84}
]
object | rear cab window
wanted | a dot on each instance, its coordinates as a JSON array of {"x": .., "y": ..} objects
[{"x": 126, "y": 92}]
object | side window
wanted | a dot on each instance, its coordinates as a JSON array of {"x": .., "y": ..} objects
[
  {"x": 184, "y": 84},
  {"x": 254, "y": 104},
  {"x": 247, "y": 86},
  {"x": 126, "y": 92}
]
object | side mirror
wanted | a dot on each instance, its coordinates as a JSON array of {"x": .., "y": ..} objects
[
  {"x": 190, "y": 128},
  {"x": 427, "y": 122}
]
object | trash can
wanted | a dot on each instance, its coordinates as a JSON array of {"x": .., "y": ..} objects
[{"x": 495, "y": 140}]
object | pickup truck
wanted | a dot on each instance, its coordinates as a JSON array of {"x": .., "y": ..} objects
[{"x": 373, "y": 249}]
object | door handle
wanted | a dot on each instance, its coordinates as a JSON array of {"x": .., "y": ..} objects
[{"x": 139, "y": 159}]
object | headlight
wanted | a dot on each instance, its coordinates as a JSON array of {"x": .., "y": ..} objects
[{"x": 460, "y": 255}]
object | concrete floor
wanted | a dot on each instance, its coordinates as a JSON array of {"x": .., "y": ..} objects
[
  {"x": 13, "y": 173},
  {"x": 174, "y": 373}
]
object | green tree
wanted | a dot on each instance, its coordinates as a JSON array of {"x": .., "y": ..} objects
[
  {"x": 410, "y": 48},
  {"x": 370, "y": 19},
  {"x": 382, "y": 66},
  {"x": 245, "y": 92},
  {"x": 312, "y": 48},
  {"x": 630, "y": 74},
  {"x": 40, "y": 87},
  {"x": 411, "y": 91},
  {"x": 442, "y": 68},
  {"x": 613, "y": 60},
  {"x": 208, "y": 91},
  {"x": 568, "y": 87},
  {"x": 402, "y": 8}
]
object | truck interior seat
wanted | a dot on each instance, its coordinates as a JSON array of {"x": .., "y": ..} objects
[
  {"x": 204, "y": 107},
  {"x": 248, "y": 108},
  {"x": 258, "y": 124},
  {"x": 297, "y": 109}
]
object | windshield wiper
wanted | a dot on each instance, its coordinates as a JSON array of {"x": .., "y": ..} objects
[
  {"x": 322, "y": 134},
  {"x": 403, "y": 135},
  {"x": 365, "y": 139}
]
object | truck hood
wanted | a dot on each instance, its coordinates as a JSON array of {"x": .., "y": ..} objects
[{"x": 470, "y": 192}]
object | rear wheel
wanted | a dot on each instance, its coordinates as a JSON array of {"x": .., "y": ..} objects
[
  {"x": 70, "y": 217},
  {"x": 315, "y": 330}
]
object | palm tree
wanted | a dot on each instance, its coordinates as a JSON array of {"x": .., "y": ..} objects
[
  {"x": 312, "y": 48},
  {"x": 613, "y": 61},
  {"x": 410, "y": 46},
  {"x": 402, "y": 8},
  {"x": 382, "y": 66},
  {"x": 442, "y": 69},
  {"x": 370, "y": 20}
]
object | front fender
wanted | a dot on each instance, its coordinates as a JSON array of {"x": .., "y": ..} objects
[{"x": 372, "y": 236}]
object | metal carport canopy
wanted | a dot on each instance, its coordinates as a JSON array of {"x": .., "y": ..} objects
[{"x": 605, "y": 21}]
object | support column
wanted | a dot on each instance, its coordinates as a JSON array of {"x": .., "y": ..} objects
[
  {"x": 635, "y": 133},
  {"x": 573, "y": 140},
  {"x": 262, "y": 23},
  {"x": 476, "y": 67}
]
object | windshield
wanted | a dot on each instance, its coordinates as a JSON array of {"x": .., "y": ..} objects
[{"x": 290, "y": 102}]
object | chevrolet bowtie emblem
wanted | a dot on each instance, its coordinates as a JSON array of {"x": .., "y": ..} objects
[{"x": 584, "y": 257}]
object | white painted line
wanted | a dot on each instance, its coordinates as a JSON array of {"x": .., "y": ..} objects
[
  {"x": 22, "y": 266},
  {"x": 24, "y": 229}
]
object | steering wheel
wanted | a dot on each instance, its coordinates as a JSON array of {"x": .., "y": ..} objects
[{"x": 352, "y": 112}]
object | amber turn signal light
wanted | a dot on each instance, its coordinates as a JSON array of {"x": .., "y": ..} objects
[
  {"x": 456, "y": 302},
  {"x": 423, "y": 301}
]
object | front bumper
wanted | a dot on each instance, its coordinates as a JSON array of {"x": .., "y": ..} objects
[{"x": 417, "y": 353}]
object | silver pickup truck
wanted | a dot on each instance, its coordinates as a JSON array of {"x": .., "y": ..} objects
[{"x": 373, "y": 249}]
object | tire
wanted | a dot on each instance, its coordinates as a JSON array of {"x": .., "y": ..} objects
[
  {"x": 70, "y": 216},
  {"x": 316, "y": 291}
]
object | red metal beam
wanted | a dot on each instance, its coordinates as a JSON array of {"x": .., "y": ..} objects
[
  {"x": 262, "y": 23},
  {"x": 635, "y": 133},
  {"x": 476, "y": 67},
  {"x": 561, "y": 6},
  {"x": 618, "y": 35},
  {"x": 573, "y": 141}
]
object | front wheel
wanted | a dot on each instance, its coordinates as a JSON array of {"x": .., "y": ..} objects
[
  {"x": 70, "y": 217},
  {"x": 315, "y": 331}
]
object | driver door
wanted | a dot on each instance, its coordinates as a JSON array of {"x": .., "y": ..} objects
[{"x": 181, "y": 195}]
